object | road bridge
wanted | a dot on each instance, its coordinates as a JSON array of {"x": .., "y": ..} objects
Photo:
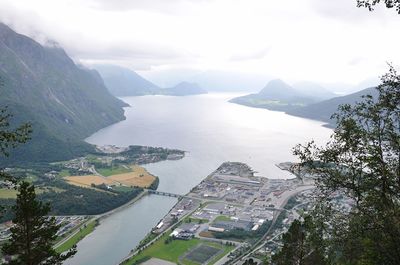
[{"x": 164, "y": 193}]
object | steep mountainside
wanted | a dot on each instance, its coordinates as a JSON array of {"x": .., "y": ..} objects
[
  {"x": 184, "y": 89},
  {"x": 122, "y": 82},
  {"x": 65, "y": 103},
  {"x": 276, "y": 95},
  {"x": 323, "y": 110}
]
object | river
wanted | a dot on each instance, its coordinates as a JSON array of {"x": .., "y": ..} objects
[{"x": 212, "y": 131}]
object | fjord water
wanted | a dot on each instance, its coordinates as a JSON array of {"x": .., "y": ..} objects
[{"x": 212, "y": 131}]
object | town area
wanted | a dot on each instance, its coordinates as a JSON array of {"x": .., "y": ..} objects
[{"x": 233, "y": 214}]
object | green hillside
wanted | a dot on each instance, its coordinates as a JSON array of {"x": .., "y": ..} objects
[
  {"x": 323, "y": 110},
  {"x": 64, "y": 102}
]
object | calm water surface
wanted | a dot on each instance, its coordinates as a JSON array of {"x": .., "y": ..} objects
[{"x": 212, "y": 131}]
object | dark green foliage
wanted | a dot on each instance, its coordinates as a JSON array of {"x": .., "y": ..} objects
[
  {"x": 135, "y": 154},
  {"x": 323, "y": 110},
  {"x": 301, "y": 245},
  {"x": 33, "y": 233},
  {"x": 242, "y": 234},
  {"x": 6, "y": 205},
  {"x": 83, "y": 201},
  {"x": 364, "y": 164},
  {"x": 77, "y": 201},
  {"x": 371, "y": 3},
  {"x": 155, "y": 183},
  {"x": 291, "y": 203},
  {"x": 11, "y": 137}
]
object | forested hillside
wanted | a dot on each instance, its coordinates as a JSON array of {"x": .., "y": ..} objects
[{"x": 64, "y": 102}]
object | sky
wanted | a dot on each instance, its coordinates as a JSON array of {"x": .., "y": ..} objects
[{"x": 319, "y": 40}]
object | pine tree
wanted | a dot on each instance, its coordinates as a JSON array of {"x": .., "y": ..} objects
[
  {"x": 11, "y": 137},
  {"x": 33, "y": 233}
]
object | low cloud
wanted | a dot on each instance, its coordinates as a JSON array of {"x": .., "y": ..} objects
[{"x": 258, "y": 55}]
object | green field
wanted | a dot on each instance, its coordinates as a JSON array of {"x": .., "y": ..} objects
[
  {"x": 175, "y": 249},
  {"x": 171, "y": 251},
  {"x": 222, "y": 218},
  {"x": 64, "y": 173},
  {"x": 113, "y": 170},
  {"x": 122, "y": 188},
  {"x": 84, "y": 231}
]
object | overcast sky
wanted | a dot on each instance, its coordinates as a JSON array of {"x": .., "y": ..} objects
[{"x": 320, "y": 40}]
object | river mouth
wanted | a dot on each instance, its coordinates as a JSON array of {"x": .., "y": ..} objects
[{"x": 212, "y": 131}]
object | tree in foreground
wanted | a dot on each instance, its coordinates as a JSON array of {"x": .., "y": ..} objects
[
  {"x": 362, "y": 162},
  {"x": 302, "y": 244},
  {"x": 33, "y": 233},
  {"x": 371, "y": 3},
  {"x": 10, "y": 136}
]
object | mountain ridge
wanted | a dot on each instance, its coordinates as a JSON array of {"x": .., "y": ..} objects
[
  {"x": 64, "y": 102},
  {"x": 323, "y": 110},
  {"x": 122, "y": 82}
]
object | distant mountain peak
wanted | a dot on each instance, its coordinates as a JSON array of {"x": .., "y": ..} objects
[
  {"x": 122, "y": 81},
  {"x": 279, "y": 90}
]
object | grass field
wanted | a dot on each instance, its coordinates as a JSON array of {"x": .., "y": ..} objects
[
  {"x": 222, "y": 218},
  {"x": 122, "y": 188},
  {"x": 137, "y": 177},
  {"x": 170, "y": 252},
  {"x": 113, "y": 170},
  {"x": 84, "y": 231},
  {"x": 64, "y": 173},
  {"x": 177, "y": 249},
  {"x": 191, "y": 219}
]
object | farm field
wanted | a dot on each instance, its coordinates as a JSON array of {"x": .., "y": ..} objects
[
  {"x": 86, "y": 181},
  {"x": 114, "y": 170},
  {"x": 139, "y": 176}
]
